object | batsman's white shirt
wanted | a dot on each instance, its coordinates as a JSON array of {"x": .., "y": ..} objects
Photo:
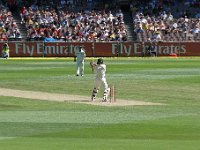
[{"x": 100, "y": 71}]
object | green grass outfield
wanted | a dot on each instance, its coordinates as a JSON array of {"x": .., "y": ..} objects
[{"x": 41, "y": 125}]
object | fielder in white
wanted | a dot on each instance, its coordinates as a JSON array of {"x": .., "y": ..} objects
[
  {"x": 80, "y": 59},
  {"x": 100, "y": 69}
]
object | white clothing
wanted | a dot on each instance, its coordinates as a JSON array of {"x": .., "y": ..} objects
[
  {"x": 80, "y": 55},
  {"x": 170, "y": 17},
  {"x": 80, "y": 68},
  {"x": 175, "y": 25},
  {"x": 195, "y": 31},
  {"x": 100, "y": 71}
]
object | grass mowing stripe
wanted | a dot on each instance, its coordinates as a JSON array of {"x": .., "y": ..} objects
[{"x": 98, "y": 144}]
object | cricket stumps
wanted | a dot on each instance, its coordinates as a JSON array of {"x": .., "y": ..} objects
[{"x": 112, "y": 94}]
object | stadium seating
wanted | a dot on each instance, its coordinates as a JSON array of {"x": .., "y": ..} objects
[
  {"x": 85, "y": 25},
  {"x": 76, "y": 20},
  {"x": 8, "y": 27},
  {"x": 166, "y": 20}
]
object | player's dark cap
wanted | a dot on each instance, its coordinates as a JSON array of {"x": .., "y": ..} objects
[{"x": 100, "y": 61}]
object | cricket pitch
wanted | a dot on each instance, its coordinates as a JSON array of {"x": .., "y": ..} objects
[{"x": 69, "y": 98}]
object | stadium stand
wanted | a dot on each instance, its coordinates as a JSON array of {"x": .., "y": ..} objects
[
  {"x": 79, "y": 25},
  {"x": 166, "y": 20},
  {"x": 8, "y": 27},
  {"x": 106, "y": 20}
]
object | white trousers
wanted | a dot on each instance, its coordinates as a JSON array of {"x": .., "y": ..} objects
[
  {"x": 80, "y": 68},
  {"x": 98, "y": 83},
  {"x": 101, "y": 82}
]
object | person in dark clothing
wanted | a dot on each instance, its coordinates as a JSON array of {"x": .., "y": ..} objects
[{"x": 151, "y": 50}]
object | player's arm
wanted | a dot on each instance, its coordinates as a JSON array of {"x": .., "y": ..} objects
[
  {"x": 75, "y": 55},
  {"x": 92, "y": 65},
  {"x": 84, "y": 58}
]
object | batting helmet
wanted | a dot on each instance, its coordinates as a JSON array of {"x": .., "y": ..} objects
[{"x": 100, "y": 61}]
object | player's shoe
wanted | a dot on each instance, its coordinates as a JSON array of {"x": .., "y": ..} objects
[
  {"x": 104, "y": 99},
  {"x": 94, "y": 94},
  {"x": 93, "y": 99},
  {"x": 106, "y": 94}
]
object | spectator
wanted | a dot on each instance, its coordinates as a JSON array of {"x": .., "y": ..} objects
[
  {"x": 156, "y": 37},
  {"x": 151, "y": 50}
]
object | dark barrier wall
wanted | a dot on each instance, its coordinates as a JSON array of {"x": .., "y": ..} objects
[{"x": 114, "y": 49}]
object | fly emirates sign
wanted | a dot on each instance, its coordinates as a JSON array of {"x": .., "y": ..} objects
[
  {"x": 38, "y": 49},
  {"x": 125, "y": 49},
  {"x": 136, "y": 49}
]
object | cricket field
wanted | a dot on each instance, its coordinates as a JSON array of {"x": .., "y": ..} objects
[{"x": 28, "y": 121}]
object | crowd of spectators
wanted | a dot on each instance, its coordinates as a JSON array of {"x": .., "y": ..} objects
[
  {"x": 166, "y": 28},
  {"x": 155, "y": 20},
  {"x": 8, "y": 27},
  {"x": 84, "y": 25}
]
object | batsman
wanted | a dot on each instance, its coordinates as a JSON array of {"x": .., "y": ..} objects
[{"x": 100, "y": 69}]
